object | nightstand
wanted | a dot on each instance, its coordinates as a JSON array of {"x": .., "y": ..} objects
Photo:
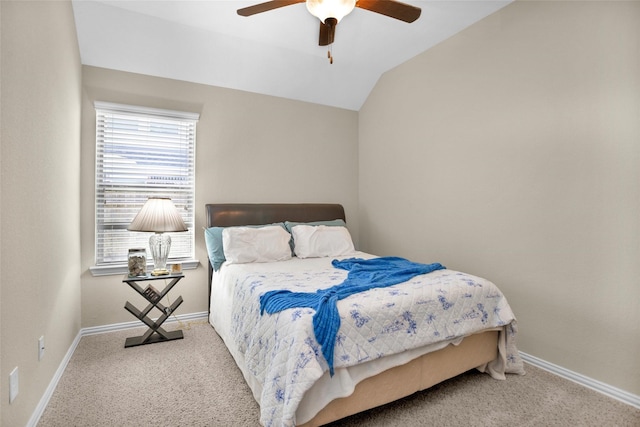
[{"x": 155, "y": 333}]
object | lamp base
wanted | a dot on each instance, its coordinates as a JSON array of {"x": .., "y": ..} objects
[
  {"x": 160, "y": 272},
  {"x": 160, "y": 245}
]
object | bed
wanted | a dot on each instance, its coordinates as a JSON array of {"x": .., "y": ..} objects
[{"x": 288, "y": 371}]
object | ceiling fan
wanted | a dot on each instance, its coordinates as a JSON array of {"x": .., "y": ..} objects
[{"x": 330, "y": 12}]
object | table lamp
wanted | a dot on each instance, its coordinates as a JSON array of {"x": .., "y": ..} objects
[{"x": 160, "y": 216}]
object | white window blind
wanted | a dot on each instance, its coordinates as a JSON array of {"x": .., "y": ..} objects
[{"x": 142, "y": 152}]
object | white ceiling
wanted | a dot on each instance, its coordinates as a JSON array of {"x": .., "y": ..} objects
[{"x": 274, "y": 53}]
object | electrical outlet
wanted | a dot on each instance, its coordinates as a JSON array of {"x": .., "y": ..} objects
[
  {"x": 13, "y": 384},
  {"x": 40, "y": 348}
]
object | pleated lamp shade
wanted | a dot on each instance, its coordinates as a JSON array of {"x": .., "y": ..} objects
[{"x": 158, "y": 215}]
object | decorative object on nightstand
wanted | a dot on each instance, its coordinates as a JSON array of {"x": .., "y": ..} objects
[
  {"x": 176, "y": 268},
  {"x": 160, "y": 216},
  {"x": 137, "y": 262},
  {"x": 155, "y": 333}
]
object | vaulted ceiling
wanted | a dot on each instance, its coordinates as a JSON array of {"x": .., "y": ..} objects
[{"x": 274, "y": 53}]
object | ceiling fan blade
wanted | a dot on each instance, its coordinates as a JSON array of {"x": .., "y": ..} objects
[
  {"x": 327, "y": 32},
  {"x": 391, "y": 8},
  {"x": 266, "y": 6}
]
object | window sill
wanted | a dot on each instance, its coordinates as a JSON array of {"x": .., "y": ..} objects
[{"x": 118, "y": 269}]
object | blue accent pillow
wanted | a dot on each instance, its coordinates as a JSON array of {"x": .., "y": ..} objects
[
  {"x": 213, "y": 240},
  {"x": 332, "y": 223}
]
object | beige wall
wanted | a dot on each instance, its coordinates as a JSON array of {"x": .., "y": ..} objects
[
  {"x": 250, "y": 149},
  {"x": 40, "y": 244},
  {"x": 512, "y": 151}
]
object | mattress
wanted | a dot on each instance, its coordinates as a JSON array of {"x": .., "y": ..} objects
[{"x": 285, "y": 370}]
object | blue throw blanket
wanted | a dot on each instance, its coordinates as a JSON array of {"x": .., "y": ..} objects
[{"x": 363, "y": 275}]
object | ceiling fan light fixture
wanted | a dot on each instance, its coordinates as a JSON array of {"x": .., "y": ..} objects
[{"x": 323, "y": 9}]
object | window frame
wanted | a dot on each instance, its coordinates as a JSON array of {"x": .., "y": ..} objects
[{"x": 150, "y": 117}]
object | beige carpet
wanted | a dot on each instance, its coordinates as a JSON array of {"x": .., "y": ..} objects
[{"x": 194, "y": 382}]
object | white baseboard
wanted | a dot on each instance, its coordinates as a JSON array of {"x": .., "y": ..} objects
[
  {"x": 136, "y": 324},
  {"x": 44, "y": 401},
  {"x": 606, "y": 389}
]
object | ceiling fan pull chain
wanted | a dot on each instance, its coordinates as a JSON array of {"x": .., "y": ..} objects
[{"x": 330, "y": 54}]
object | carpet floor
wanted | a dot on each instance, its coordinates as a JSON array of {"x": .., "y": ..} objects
[{"x": 195, "y": 382}]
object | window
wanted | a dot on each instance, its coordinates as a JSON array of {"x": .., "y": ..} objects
[{"x": 141, "y": 152}]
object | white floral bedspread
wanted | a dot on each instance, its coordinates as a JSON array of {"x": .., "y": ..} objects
[{"x": 280, "y": 350}]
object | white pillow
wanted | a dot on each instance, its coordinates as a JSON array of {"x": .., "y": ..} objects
[
  {"x": 246, "y": 244},
  {"x": 321, "y": 241}
]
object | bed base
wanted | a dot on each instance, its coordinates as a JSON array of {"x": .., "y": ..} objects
[{"x": 416, "y": 375}]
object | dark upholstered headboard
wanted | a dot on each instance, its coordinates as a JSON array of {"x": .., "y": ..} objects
[{"x": 233, "y": 214}]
